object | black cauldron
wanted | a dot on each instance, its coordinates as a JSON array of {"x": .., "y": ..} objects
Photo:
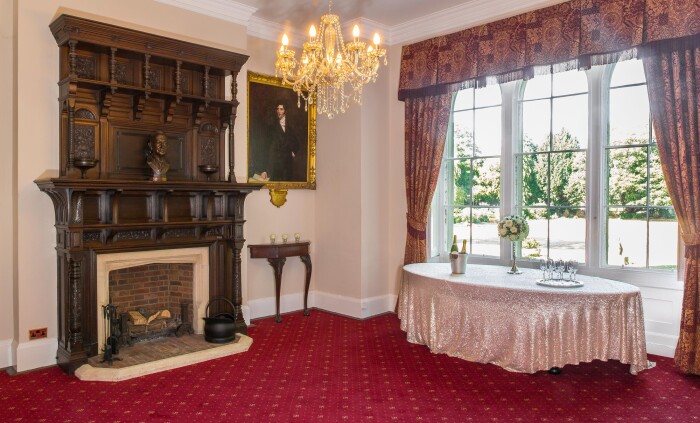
[{"x": 219, "y": 329}]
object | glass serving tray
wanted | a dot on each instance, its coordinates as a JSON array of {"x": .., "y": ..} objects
[{"x": 559, "y": 283}]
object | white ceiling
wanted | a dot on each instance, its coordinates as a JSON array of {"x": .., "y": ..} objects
[
  {"x": 397, "y": 21},
  {"x": 302, "y": 13}
]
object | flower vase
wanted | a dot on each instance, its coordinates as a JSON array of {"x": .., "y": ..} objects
[{"x": 514, "y": 268}]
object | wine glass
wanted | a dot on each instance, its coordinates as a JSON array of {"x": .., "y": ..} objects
[{"x": 573, "y": 268}]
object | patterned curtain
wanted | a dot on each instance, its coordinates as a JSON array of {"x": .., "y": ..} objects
[
  {"x": 570, "y": 35},
  {"x": 673, "y": 80},
  {"x": 425, "y": 131}
]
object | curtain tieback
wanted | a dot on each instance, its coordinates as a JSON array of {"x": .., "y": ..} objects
[
  {"x": 415, "y": 227},
  {"x": 692, "y": 244}
]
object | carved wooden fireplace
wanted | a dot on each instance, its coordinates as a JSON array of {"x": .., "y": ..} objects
[{"x": 118, "y": 88}]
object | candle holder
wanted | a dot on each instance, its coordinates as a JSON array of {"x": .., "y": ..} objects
[{"x": 514, "y": 268}]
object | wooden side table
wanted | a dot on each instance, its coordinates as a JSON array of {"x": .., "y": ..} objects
[{"x": 276, "y": 255}]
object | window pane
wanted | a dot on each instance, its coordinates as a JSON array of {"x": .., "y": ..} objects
[
  {"x": 463, "y": 134},
  {"x": 487, "y": 182},
  {"x": 534, "y": 183},
  {"x": 464, "y": 99},
  {"x": 629, "y": 116},
  {"x": 535, "y": 245},
  {"x": 627, "y": 236},
  {"x": 628, "y": 72},
  {"x": 570, "y": 122},
  {"x": 462, "y": 182},
  {"x": 460, "y": 228},
  {"x": 538, "y": 87},
  {"x": 627, "y": 176},
  {"x": 571, "y": 82},
  {"x": 663, "y": 239},
  {"x": 489, "y": 95},
  {"x": 488, "y": 131},
  {"x": 567, "y": 234},
  {"x": 657, "y": 185},
  {"x": 485, "y": 239},
  {"x": 536, "y": 125},
  {"x": 568, "y": 179}
]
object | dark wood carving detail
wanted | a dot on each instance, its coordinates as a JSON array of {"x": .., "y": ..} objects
[
  {"x": 208, "y": 152},
  {"x": 92, "y": 236},
  {"x": 218, "y": 231},
  {"x": 180, "y": 233},
  {"x": 154, "y": 79},
  {"x": 85, "y": 114},
  {"x": 208, "y": 127},
  {"x": 76, "y": 296},
  {"x": 85, "y": 67},
  {"x": 77, "y": 208},
  {"x": 122, "y": 74},
  {"x": 132, "y": 235},
  {"x": 84, "y": 142}
]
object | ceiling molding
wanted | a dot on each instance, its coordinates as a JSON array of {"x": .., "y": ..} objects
[
  {"x": 227, "y": 10},
  {"x": 367, "y": 29},
  {"x": 465, "y": 15},
  {"x": 272, "y": 31}
]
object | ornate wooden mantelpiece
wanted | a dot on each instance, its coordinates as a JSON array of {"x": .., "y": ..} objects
[
  {"x": 118, "y": 87},
  {"x": 107, "y": 216}
]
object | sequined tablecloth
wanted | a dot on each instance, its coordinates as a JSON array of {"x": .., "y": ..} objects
[{"x": 489, "y": 316}]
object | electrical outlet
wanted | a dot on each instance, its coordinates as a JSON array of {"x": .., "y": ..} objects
[{"x": 37, "y": 333}]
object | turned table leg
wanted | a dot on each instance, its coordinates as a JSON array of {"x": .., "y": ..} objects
[
  {"x": 277, "y": 265},
  {"x": 307, "y": 262}
]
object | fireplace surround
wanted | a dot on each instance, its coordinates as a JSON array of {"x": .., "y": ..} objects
[{"x": 118, "y": 88}]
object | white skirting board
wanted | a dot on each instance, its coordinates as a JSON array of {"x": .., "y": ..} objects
[
  {"x": 6, "y": 359},
  {"x": 347, "y": 306},
  {"x": 36, "y": 354}
]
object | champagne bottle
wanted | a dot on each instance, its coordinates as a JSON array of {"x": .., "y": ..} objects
[
  {"x": 454, "y": 245},
  {"x": 464, "y": 247}
]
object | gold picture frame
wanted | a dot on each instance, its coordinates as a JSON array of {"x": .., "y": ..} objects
[{"x": 282, "y": 156}]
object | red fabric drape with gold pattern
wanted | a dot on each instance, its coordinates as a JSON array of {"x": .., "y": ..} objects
[
  {"x": 673, "y": 81},
  {"x": 425, "y": 131},
  {"x": 574, "y": 34}
]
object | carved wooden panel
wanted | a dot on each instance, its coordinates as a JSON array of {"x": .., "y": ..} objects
[
  {"x": 86, "y": 66},
  {"x": 92, "y": 208},
  {"x": 133, "y": 208},
  {"x": 180, "y": 207},
  {"x": 130, "y": 148}
]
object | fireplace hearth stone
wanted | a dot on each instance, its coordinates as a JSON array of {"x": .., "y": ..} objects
[{"x": 159, "y": 355}]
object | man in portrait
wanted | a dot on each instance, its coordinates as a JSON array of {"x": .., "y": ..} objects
[{"x": 283, "y": 148}]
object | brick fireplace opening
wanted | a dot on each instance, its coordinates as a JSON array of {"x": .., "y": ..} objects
[
  {"x": 154, "y": 280},
  {"x": 152, "y": 301}
]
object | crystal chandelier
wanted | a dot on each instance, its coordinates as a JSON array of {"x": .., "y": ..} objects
[{"x": 330, "y": 72}]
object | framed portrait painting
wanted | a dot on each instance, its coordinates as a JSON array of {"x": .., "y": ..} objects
[{"x": 281, "y": 136}]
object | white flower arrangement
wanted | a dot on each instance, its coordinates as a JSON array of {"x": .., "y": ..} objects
[{"x": 513, "y": 228}]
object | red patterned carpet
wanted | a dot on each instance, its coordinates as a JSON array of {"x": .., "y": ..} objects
[{"x": 331, "y": 368}]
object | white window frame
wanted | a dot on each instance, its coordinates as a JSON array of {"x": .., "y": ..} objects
[{"x": 598, "y": 123}]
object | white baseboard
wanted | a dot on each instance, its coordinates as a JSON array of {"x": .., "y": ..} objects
[
  {"x": 36, "y": 354},
  {"x": 661, "y": 344},
  {"x": 6, "y": 353},
  {"x": 339, "y": 304},
  {"x": 264, "y": 307},
  {"x": 245, "y": 310}
]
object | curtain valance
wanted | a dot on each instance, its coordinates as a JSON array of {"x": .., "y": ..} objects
[{"x": 574, "y": 34}]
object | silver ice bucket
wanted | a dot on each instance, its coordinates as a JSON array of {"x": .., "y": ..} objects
[{"x": 458, "y": 261}]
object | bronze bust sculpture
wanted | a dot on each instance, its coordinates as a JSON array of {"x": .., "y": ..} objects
[{"x": 157, "y": 147}]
